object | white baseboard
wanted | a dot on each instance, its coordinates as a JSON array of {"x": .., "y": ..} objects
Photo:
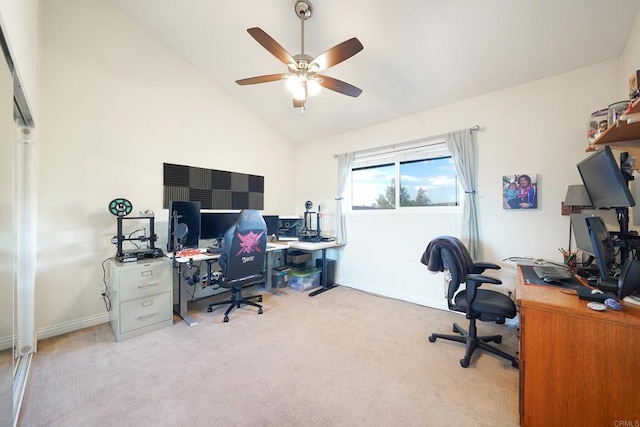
[{"x": 74, "y": 325}]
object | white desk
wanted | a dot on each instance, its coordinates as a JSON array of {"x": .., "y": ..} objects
[
  {"x": 318, "y": 246},
  {"x": 183, "y": 291}
]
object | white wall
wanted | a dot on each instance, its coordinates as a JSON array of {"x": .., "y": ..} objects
[
  {"x": 538, "y": 127},
  {"x": 117, "y": 104}
]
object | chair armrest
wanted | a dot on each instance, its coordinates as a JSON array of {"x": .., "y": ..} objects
[
  {"x": 479, "y": 267},
  {"x": 474, "y": 281}
]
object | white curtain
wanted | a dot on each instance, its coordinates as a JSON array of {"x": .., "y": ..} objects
[
  {"x": 25, "y": 211},
  {"x": 344, "y": 168},
  {"x": 462, "y": 146}
]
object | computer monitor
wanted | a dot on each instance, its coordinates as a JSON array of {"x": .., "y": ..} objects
[
  {"x": 189, "y": 214},
  {"x": 273, "y": 225},
  {"x": 604, "y": 182},
  {"x": 215, "y": 224},
  {"x": 603, "y": 250},
  {"x": 581, "y": 233},
  {"x": 629, "y": 280}
]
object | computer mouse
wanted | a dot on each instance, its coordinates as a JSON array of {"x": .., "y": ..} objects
[
  {"x": 551, "y": 281},
  {"x": 612, "y": 304},
  {"x": 597, "y": 291}
]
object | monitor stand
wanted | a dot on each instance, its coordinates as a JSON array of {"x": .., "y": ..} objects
[{"x": 610, "y": 285}]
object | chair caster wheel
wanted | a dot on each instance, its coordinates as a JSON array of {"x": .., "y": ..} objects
[
  {"x": 259, "y": 311},
  {"x": 260, "y": 298},
  {"x": 209, "y": 309},
  {"x": 498, "y": 340},
  {"x": 464, "y": 363},
  {"x": 226, "y": 319},
  {"x": 515, "y": 364},
  {"x": 432, "y": 338}
]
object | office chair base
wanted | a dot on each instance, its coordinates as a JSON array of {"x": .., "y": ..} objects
[
  {"x": 236, "y": 302},
  {"x": 472, "y": 342}
]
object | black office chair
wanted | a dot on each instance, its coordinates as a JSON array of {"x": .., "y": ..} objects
[
  {"x": 449, "y": 255},
  {"x": 242, "y": 260}
]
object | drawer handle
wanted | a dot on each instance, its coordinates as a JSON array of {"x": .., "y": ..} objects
[
  {"x": 148, "y": 285},
  {"x": 146, "y": 316}
]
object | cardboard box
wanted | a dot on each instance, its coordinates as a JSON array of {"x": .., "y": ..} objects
[
  {"x": 303, "y": 279},
  {"x": 298, "y": 257}
]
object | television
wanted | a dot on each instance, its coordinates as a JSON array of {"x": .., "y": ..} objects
[
  {"x": 604, "y": 251},
  {"x": 604, "y": 182},
  {"x": 187, "y": 213},
  {"x": 215, "y": 224},
  {"x": 273, "y": 225}
]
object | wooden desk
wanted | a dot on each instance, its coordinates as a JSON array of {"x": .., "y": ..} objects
[{"x": 578, "y": 367}]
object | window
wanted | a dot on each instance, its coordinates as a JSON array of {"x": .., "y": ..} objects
[{"x": 408, "y": 178}]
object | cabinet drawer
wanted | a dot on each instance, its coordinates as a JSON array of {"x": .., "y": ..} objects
[
  {"x": 147, "y": 279},
  {"x": 143, "y": 312}
]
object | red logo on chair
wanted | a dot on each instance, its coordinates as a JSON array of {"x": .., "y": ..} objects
[{"x": 249, "y": 242}]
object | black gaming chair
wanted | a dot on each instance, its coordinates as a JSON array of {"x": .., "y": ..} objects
[
  {"x": 449, "y": 255},
  {"x": 242, "y": 260}
]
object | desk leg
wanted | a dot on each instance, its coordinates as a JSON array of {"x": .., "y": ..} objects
[
  {"x": 325, "y": 286},
  {"x": 183, "y": 297}
]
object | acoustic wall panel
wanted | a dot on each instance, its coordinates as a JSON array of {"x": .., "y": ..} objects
[{"x": 214, "y": 189}]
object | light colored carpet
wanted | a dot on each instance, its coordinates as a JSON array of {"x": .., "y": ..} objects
[{"x": 342, "y": 358}]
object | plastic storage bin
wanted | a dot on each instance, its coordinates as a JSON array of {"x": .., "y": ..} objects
[
  {"x": 303, "y": 279},
  {"x": 280, "y": 277}
]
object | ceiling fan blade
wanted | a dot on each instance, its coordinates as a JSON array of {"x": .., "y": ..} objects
[
  {"x": 339, "y": 86},
  {"x": 261, "y": 79},
  {"x": 271, "y": 45},
  {"x": 337, "y": 54}
]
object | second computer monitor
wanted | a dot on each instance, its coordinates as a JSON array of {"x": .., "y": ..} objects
[
  {"x": 603, "y": 246},
  {"x": 213, "y": 225},
  {"x": 273, "y": 225}
]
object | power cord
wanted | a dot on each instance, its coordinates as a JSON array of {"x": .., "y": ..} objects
[{"x": 105, "y": 296}]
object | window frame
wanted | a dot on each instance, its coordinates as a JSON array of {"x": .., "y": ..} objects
[{"x": 396, "y": 156}]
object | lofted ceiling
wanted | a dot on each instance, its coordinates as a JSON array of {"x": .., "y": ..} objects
[{"x": 418, "y": 54}]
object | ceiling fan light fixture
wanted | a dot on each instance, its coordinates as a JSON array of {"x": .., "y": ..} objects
[
  {"x": 313, "y": 87},
  {"x": 293, "y": 83}
]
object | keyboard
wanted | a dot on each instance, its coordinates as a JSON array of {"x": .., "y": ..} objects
[
  {"x": 216, "y": 250},
  {"x": 552, "y": 272}
]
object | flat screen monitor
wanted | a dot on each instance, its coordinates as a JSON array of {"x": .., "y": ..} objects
[
  {"x": 215, "y": 224},
  {"x": 189, "y": 214},
  {"x": 273, "y": 225},
  {"x": 604, "y": 182},
  {"x": 581, "y": 233},
  {"x": 629, "y": 281},
  {"x": 603, "y": 247}
]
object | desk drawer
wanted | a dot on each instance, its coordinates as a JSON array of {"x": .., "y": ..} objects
[
  {"x": 143, "y": 312},
  {"x": 143, "y": 280}
]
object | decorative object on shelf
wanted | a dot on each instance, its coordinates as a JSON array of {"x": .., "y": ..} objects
[
  {"x": 614, "y": 112},
  {"x": 634, "y": 92},
  {"x": 520, "y": 191},
  {"x": 598, "y": 123}
]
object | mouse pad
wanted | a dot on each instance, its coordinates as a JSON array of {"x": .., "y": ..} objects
[{"x": 531, "y": 278}]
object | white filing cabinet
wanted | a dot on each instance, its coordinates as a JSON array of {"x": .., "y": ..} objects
[{"x": 141, "y": 297}]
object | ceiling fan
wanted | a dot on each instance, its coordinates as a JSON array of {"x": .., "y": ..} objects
[{"x": 303, "y": 79}]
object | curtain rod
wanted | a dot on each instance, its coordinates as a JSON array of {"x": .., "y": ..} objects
[{"x": 402, "y": 144}]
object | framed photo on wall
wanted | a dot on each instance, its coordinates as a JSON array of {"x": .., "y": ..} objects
[{"x": 520, "y": 191}]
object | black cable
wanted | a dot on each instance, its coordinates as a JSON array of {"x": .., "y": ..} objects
[{"x": 105, "y": 296}]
